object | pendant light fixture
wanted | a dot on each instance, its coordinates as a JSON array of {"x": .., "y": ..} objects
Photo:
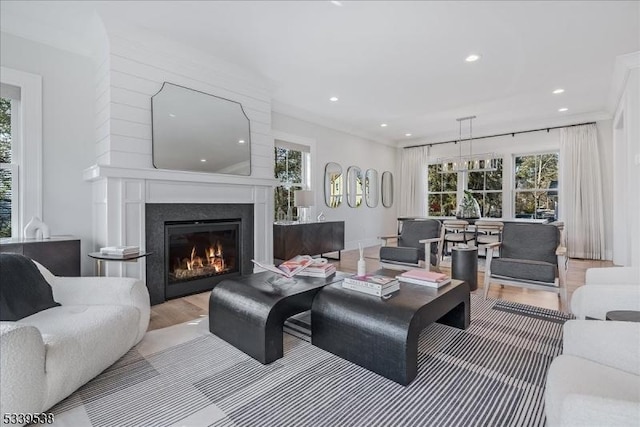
[{"x": 470, "y": 162}]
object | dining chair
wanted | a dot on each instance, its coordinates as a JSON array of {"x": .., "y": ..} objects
[
  {"x": 488, "y": 231},
  {"x": 456, "y": 231}
]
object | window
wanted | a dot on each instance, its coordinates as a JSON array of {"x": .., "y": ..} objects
[
  {"x": 536, "y": 186},
  {"x": 442, "y": 189},
  {"x": 20, "y": 150},
  {"x": 9, "y": 108},
  {"x": 292, "y": 163},
  {"x": 486, "y": 187}
]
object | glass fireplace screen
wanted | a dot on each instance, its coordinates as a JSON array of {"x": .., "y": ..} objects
[{"x": 201, "y": 249}]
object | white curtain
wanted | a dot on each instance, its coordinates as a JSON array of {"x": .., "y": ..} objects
[
  {"x": 581, "y": 192},
  {"x": 413, "y": 181}
]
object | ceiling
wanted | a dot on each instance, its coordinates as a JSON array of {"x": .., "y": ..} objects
[{"x": 394, "y": 62}]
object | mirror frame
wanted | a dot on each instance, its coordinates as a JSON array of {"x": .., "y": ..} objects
[
  {"x": 167, "y": 153},
  {"x": 333, "y": 200},
  {"x": 354, "y": 177},
  {"x": 387, "y": 189},
  {"x": 371, "y": 188}
]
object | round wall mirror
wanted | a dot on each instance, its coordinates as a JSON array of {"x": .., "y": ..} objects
[
  {"x": 354, "y": 186},
  {"x": 333, "y": 185},
  {"x": 371, "y": 187},
  {"x": 387, "y": 189}
]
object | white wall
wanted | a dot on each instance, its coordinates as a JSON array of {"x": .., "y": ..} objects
[
  {"x": 538, "y": 142},
  {"x": 626, "y": 174},
  {"x": 67, "y": 133},
  {"x": 363, "y": 224}
]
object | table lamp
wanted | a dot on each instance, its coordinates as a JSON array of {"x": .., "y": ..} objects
[{"x": 303, "y": 199}]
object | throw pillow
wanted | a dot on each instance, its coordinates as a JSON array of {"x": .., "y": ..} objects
[{"x": 23, "y": 290}]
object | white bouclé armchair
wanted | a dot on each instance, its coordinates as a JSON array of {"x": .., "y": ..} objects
[
  {"x": 596, "y": 380},
  {"x": 607, "y": 289}
]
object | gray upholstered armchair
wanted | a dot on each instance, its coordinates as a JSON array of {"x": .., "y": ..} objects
[
  {"x": 417, "y": 238},
  {"x": 531, "y": 256}
]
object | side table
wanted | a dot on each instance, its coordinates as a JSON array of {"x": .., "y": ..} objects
[
  {"x": 100, "y": 258},
  {"x": 464, "y": 265}
]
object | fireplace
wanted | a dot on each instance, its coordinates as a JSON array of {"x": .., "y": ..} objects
[
  {"x": 194, "y": 246},
  {"x": 198, "y": 253}
]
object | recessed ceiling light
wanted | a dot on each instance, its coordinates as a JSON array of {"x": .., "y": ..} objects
[
  {"x": 563, "y": 109},
  {"x": 171, "y": 115},
  {"x": 383, "y": 125},
  {"x": 203, "y": 160},
  {"x": 407, "y": 134},
  {"x": 472, "y": 58},
  {"x": 337, "y": 3},
  {"x": 241, "y": 141},
  {"x": 333, "y": 99},
  {"x": 557, "y": 91}
]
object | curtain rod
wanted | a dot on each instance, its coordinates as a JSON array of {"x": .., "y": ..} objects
[{"x": 501, "y": 134}]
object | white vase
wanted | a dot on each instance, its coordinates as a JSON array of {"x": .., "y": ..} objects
[{"x": 32, "y": 228}]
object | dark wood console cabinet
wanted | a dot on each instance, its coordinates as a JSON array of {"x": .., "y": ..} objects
[
  {"x": 311, "y": 238},
  {"x": 60, "y": 254}
]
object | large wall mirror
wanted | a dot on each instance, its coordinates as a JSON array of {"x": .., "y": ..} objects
[
  {"x": 333, "y": 185},
  {"x": 195, "y": 131},
  {"x": 387, "y": 189},
  {"x": 354, "y": 186},
  {"x": 371, "y": 189}
]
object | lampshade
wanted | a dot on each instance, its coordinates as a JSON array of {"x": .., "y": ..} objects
[{"x": 303, "y": 198}]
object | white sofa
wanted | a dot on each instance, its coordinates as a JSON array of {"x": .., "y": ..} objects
[
  {"x": 607, "y": 289},
  {"x": 596, "y": 380},
  {"x": 46, "y": 356}
]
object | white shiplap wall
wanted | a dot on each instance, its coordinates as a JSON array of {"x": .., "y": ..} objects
[
  {"x": 124, "y": 178},
  {"x": 136, "y": 71}
]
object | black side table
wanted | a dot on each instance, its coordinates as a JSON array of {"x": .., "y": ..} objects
[
  {"x": 100, "y": 258},
  {"x": 624, "y": 315},
  {"x": 464, "y": 265}
]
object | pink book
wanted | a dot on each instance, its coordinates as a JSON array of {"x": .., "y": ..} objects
[{"x": 429, "y": 276}]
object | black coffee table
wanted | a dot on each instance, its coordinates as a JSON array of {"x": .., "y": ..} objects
[
  {"x": 382, "y": 335},
  {"x": 249, "y": 312}
]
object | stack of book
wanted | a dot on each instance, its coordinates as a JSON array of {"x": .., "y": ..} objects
[
  {"x": 120, "y": 251},
  {"x": 318, "y": 270},
  {"x": 424, "y": 278},
  {"x": 372, "y": 284}
]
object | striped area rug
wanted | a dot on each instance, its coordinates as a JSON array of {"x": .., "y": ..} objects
[{"x": 492, "y": 374}]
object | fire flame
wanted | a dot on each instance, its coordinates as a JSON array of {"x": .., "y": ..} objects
[{"x": 213, "y": 257}]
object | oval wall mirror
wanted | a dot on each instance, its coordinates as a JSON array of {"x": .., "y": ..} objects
[
  {"x": 333, "y": 185},
  {"x": 354, "y": 186},
  {"x": 387, "y": 189},
  {"x": 371, "y": 187}
]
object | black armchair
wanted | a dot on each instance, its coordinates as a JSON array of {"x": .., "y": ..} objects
[
  {"x": 531, "y": 256},
  {"x": 417, "y": 238}
]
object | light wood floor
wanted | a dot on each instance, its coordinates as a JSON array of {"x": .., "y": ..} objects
[{"x": 190, "y": 307}]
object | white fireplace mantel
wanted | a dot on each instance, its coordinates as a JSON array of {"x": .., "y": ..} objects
[
  {"x": 120, "y": 195},
  {"x": 96, "y": 172}
]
